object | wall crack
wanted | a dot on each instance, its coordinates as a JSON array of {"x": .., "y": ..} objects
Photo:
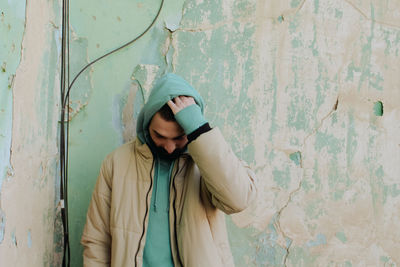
[
  {"x": 369, "y": 18},
  {"x": 169, "y": 49},
  {"x": 291, "y": 194}
]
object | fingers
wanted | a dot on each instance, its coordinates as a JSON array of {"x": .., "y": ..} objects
[
  {"x": 180, "y": 102},
  {"x": 172, "y": 106}
]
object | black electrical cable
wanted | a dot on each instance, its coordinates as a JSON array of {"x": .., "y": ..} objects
[
  {"x": 62, "y": 132},
  {"x": 117, "y": 49},
  {"x": 64, "y": 120}
]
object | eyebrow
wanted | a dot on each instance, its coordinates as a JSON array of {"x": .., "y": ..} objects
[{"x": 162, "y": 136}]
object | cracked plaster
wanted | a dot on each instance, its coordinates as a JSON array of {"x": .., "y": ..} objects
[{"x": 291, "y": 84}]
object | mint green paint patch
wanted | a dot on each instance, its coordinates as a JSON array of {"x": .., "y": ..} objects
[
  {"x": 376, "y": 175},
  {"x": 333, "y": 145},
  {"x": 350, "y": 71},
  {"x": 197, "y": 13},
  {"x": 306, "y": 185},
  {"x": 296, "y": 43},
  {"x": 320, "y": 240},
  {"x": 376, "y": 81},
  {"x": 298, "y": 113},
  {"x": 378, "y": 108},
  {"x": 2, "y": 225},
  {"x": 351, "y": 139},
  {"x": 282, "y": 178},
  {"x": 241, "y": 241},
  {"x": 259, "y": 247},
  {"x": 348, "y": 264},
  {"x": 313, "y": 209},
  {"x": 314, "y": 182},
  {"x": 294, "y": 141},
  {"x": 269, "y": 253},
  {"x": 281, "y": 18},
  {"x": 366, "y": 53},
  {"x": 300, "y": 256},
  {"x": 322, "y": 87},
  {"x": 296, "y": 157},
  {"x": 47, "y": 98},
  {"x": 315, "y": 176},
  {"x": 243, "y": 8},
  {"x": 81, "y": 91},
  {"x": 271, "y": 155},
  {"x": 338, "y": 13},
  {"x": 313, "y": 45},
  {"x": 14, "y": 238},
  {"x": 387, "y": 41},
  {"x": 294, "y": 3},
  {"x": 391, "y": 190},
  {"x": 384, "y": 259},
  {"x": 274, "y": 87},
  {"x": 338, "y": 194},
  {"x": 295, "y": 68},
  {"x": 294, "y": 24},
  {"x": 29, "y": 238},
  {"x": 334, "y": 119},
  {"x": 12, "y": 14},
  {"x": 336, "y": 180},
  {"x": 316, "y": 6},
  {"x": 341, "y": 236}
]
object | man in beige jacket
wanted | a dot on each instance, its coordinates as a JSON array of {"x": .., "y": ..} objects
[{"x": 160, "y": 200}]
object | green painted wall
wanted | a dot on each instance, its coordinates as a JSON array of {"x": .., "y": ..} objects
[
  {"x": 29, "y": 95},
  {"x": 307, "y": 92}
]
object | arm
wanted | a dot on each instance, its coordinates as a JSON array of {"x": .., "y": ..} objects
[
  {"x": 230, "y": 182},
  {"x": 96, "y": 238}
]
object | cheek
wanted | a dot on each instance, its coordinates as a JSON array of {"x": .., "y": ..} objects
[
  {"x": 156, "y": 141},
  {"x": 181, "y": 143}
]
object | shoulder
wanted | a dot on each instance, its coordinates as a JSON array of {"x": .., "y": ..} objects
[{"x": 124, "y": 153}]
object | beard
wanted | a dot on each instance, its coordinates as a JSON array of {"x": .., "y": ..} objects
[{"x": 163, "y": 154}]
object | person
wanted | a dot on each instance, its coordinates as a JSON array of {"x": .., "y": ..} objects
[{"x": 160, "y": 200}]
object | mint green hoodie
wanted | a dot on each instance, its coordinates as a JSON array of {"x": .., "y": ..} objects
[{"x": 157, "y": 250}]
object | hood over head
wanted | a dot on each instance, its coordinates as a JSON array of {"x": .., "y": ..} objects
[{"x": 166, "y": 88}]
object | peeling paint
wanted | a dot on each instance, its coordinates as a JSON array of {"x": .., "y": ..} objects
[
  {"x": 29, "y": 241},
  {"x": 305, "y": 91},
  {"x": 2, "y": 225},
  {"x": 378, "y": 108},
  {"x": 341, "y": 236},
  {"x": 28, "y": 130},
  {"x": 320, "y": 240},
  {"x": 14, "y": 238}
]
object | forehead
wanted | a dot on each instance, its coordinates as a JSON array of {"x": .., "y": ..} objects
[{"x": 168, "y": 129}]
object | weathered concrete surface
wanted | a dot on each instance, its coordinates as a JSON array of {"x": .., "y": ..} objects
[
  {"x": 307, "y": 92},
  {"x": 29, "y": 111}
]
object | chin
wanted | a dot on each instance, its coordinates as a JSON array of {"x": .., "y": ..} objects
[{"x": 162, "y": 153}]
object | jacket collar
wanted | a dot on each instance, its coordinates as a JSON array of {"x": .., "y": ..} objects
[{"x": 143, "y": 149}]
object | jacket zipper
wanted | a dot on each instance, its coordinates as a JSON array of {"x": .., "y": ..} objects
[
  {"x": 145, "y": 214},
  {"x": 175, "y": 219}
]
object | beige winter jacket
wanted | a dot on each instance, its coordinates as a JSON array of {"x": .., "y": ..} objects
[{"x": 205, "y": 183}]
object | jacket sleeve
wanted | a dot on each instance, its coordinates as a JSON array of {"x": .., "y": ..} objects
[
  {"x": 96, "y": 238},
  {"x": 229, "y": 180}
]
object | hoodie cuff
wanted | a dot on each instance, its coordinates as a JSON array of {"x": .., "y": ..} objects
[
  {"x": 190, "y": 118},
  {"x": 196, "y": 133}
]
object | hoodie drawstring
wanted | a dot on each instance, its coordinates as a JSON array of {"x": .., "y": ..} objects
[{"x": 156, "y": 184}]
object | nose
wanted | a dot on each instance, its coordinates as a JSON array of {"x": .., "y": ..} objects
[{"x": 170, "y": 147}]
